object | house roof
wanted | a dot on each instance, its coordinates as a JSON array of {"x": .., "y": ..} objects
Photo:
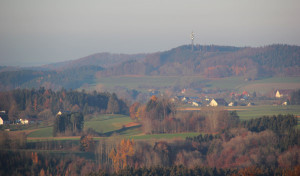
[{"x": 220, "y": 101}]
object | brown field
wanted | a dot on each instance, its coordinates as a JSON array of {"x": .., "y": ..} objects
[
  {"x": 132, "y": 124},
  {"x": 54, "y": 138}
]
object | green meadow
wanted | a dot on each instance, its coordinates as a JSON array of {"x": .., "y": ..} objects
[
  {"x": 143, "y": 83},
  {"x": 250, "y": 112}
]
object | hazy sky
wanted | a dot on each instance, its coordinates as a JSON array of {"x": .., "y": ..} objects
[{"x": 35, "y": 32}]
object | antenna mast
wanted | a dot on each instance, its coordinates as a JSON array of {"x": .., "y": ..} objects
[{"x": 192, "y": 40}]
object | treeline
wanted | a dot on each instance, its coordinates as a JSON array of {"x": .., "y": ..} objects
[
  {"x": 295, "y": 98},
  {"x": 44, "y": 103},
  {"x": 68, "y": 124},
  {"x": 32, "y": 163},
  {"x": 71, "y": 78},
  {"x": 277, "y": 124},
  {"x": 182, "y": 170}
]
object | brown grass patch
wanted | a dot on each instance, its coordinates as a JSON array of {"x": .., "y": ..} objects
[{"x": 132, "y": 124}]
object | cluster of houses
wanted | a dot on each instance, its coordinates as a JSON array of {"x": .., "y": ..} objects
[
  {"x": 4, "y": 120},
  {"x": 238, "y": 99}
]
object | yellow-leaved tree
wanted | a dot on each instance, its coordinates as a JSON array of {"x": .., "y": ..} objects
[{"x": 121, "y": 153}]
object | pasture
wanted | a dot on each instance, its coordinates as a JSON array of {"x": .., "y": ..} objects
[
  {"x": 238, "y": 84},
  {"x": 250, "y": 112}
]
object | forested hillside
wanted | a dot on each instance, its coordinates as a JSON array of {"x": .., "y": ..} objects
[
  {"x": 216, "y": 61},
  {"x": 207, "y": 61}
]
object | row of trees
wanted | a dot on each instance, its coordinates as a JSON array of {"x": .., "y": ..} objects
[
  {"x": 68, "y": 124},
  {"x": 32, "y": 163},
  {"x": 295, "y": 98},
  {"x": 44, "y": 103}
]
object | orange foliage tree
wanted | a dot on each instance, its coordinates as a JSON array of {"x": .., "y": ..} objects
[
  {"x": 120, "y": 154},
  {"x": 133, "y": 110}
]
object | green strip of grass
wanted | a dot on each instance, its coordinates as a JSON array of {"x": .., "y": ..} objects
[
  {"x": 251, "y": 112},
  {"x": 107, "y": 123},
  {"x": 164, "y": 136},
  {"x": 42, "y": 132}
]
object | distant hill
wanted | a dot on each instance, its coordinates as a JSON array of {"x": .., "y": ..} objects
[
  {"x": 216, "y": 61},
  {"x": 100, "y": 59},
  {"x": 209, "y": 61}
]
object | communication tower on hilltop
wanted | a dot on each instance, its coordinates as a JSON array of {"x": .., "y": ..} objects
[{"x": 192, "y": 40}]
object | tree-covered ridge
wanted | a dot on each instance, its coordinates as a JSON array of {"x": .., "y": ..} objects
[
  {"x": 43, "y": 103},
  {"x": 215, "y": 61},
  {"x": 206, "y": 60},
  {"x": 54, "y": 79}
]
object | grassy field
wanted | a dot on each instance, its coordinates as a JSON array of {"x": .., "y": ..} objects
[
  {"x": 101, "y": 123},
  {"x": 249, "y": 112},
  {"x": 107, "y": 123},
  {"x": 262, "y": 86},
  {"x": 42, "y": 132},
  {"x": 142, "y": 83}
]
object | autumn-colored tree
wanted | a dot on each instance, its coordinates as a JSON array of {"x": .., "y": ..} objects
[
  {"x": 133, "y": 110},
  {"x": 120, "y": 154},
  {"x": 34, "y": 157},
  {"x": 250, "y": 171},
  {"x": 87, "y": 143}
]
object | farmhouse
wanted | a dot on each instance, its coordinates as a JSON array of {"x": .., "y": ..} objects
[
  {"x": 62, "y": 112},
  {"x": 283, "y": 93},
  {"x": 218, "y": 102},
  {"x": 23, "y": 121}
]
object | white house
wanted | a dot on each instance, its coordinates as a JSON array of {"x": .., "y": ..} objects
[
  {"x": 59, "y": 113},
  {"x": 283, "y": 93},
  {"x": 195, "y": 103},
  {"x": 218, "y": 102},
  {"x": 24, "y": 121},
  {"x": 1, "y": 121}
]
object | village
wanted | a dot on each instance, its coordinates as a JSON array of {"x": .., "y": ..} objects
[{"x": 183, "y": 98}]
